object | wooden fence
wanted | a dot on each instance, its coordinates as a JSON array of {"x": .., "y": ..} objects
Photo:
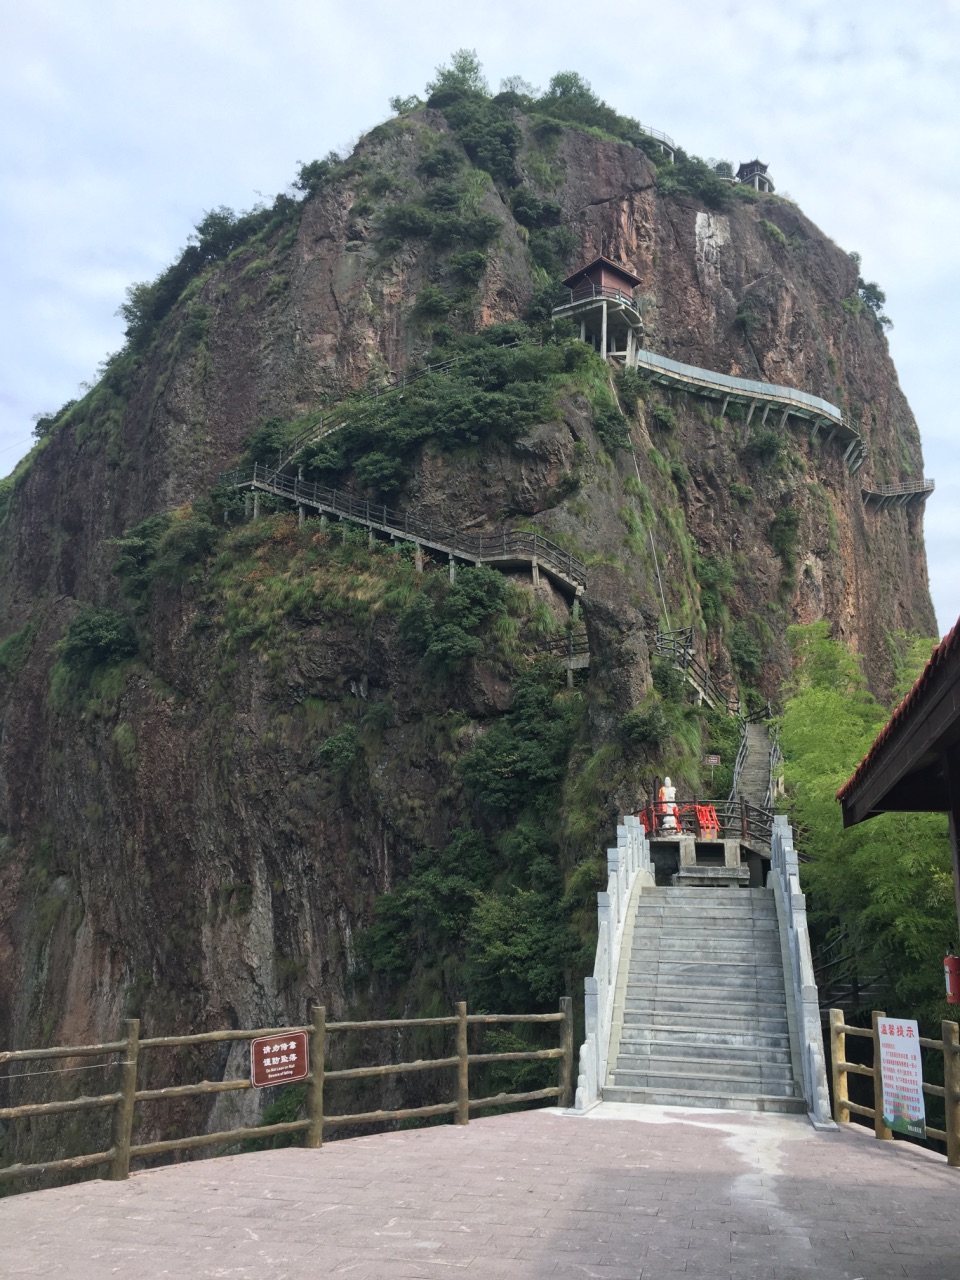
[
  {"x": 125, "y": 1099},
  {"x": 949, "y": 1046}
]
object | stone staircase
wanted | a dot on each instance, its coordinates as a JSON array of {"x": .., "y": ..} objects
[
  {"x": 704, "y": 1011},
  {"x": 754, "y": 779}
]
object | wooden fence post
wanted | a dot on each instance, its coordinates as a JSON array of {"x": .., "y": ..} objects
[
  {"x": 566, "y": 1044},
  {"x": 123, "y": 1116},
  {"x": 951, "y": 1089},
  {"x": 463, "y": 1066},
  {"x": 318, "y": 1045},
  {"x": 880, "y": 1129},
  {"x": 838, "y": 1055}
]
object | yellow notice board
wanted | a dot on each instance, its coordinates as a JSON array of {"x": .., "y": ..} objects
[{"x": 902, "y": 1070}]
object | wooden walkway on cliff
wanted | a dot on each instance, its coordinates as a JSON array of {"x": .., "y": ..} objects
[{"x": 504, "y": 549}]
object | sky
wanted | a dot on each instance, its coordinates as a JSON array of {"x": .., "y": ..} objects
[{"x": 124, "y": 123}]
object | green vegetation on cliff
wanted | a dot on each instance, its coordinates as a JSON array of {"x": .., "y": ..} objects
[{"x": 883, "y": 890}]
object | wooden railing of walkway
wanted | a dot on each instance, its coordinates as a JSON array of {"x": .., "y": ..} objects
[
  {"x": 949, "y": 1046},
  {"x": 124, "y": 1100},
  {"x": 506, "y": 547}
]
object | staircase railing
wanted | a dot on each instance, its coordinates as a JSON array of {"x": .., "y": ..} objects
[
  {"x": 798, "y": 969},
  {"x": 481, "y": 548},
  {"x": 628, "y": 866},
  {"x": 677, "y": 646}
]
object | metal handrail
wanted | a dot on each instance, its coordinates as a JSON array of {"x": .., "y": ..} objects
[
  {"x": 478, "y": 547},
  {"x": 738, "y": 819},
  {"x": 926, "y": 485},
  {"x": 727, "y": 382},
  {"x": 659, "y": 135},
  {"x": 674, "y": 645},
  {"x": 584, "y": 292}
]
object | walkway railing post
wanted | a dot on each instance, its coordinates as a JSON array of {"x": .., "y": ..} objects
[
  {"x": 951, "y": 1089},
  {"x": 463, "y": 1066},
  {"x": 838, "y": 1056},
  {"x": 318, "y": 1050},
  {"x": 880, "y": 1128},
  {"x": 566, "y": 1062},
  {"x": 123, "y": 1116}
]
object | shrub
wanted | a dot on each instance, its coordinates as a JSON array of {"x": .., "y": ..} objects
[
  {"x": 773, "y": 231},
  {"x": 647, "y": 728},
  {"x": 668, "y": 681},
  {"x": 532, "y": 212},
  {"x": 745, "y": 653},
  {"x": 740, "y": 493},
  {"x": 632, "y": 386},
  {"x": 715, "y": 576},
  {"x": 785, "y": 536},
  {"x": 469, "y": 266},
  {"x": 432, "y": 302},
  {"x": 15, "y": 650},
  {"x": 552, "y": 248},
  {"x": 764, "y": 444},
  {"x": 97, "y": 637},
  {"x": 444, "y": 630},
  {"x": 340, "y": 750},
  {"x": 747, "y": 319},
  {"x": 611, "y": 427},
  {"x": 443, "y": 162},
  {"x": 664, "y": 416},
  {"x": 523, "y": 756}
]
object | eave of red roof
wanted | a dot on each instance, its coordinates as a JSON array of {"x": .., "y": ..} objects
[
  {"x": 608, "y": 262},
  {"x": 945, "y": 649}
]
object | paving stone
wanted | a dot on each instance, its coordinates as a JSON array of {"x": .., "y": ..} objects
[{"x": 624, "y": 1193}]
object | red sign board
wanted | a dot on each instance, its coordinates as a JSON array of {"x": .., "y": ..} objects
[{"x": 279, "y": 1059}]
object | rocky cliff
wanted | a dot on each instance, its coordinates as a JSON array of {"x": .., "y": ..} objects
[{"x": 217, "y": 759}]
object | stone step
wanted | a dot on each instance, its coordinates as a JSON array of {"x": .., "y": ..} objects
[
  {"x": 696, "y": 937},
  {"x": 705, "y": 977},
  {"x": 689, "y": 1077},
  {"x": 706, "y": 1043},
  {"x": 727, "y": 950},
  {"x": 708, "y": 1068},
  {"x": 766, "y": 1016},
  {"x": 712, "y": 921},
  {"x": 645, "y": 1057},
  {"x": 708, "y": 1099}
]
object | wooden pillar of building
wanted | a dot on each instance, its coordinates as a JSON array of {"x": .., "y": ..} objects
[{"x": 603, "y": 331}]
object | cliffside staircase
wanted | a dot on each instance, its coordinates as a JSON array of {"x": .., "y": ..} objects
[
  {"x": 704, "y": 1019},
  {"x": 503, "y": 548}
]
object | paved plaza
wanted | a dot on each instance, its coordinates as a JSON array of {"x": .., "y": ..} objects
[{"x": 624, "y": 1193}]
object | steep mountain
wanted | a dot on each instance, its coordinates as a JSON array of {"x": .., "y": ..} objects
[{"x": 224, "y": 738}]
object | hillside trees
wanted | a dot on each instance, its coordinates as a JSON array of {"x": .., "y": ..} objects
[{"x": 883, "y": 888}]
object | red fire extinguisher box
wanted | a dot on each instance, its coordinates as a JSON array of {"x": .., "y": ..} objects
[{"x": 951, "y": 972}]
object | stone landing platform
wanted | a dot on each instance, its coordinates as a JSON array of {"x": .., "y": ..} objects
[{"x": 625, "y": 1193}]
